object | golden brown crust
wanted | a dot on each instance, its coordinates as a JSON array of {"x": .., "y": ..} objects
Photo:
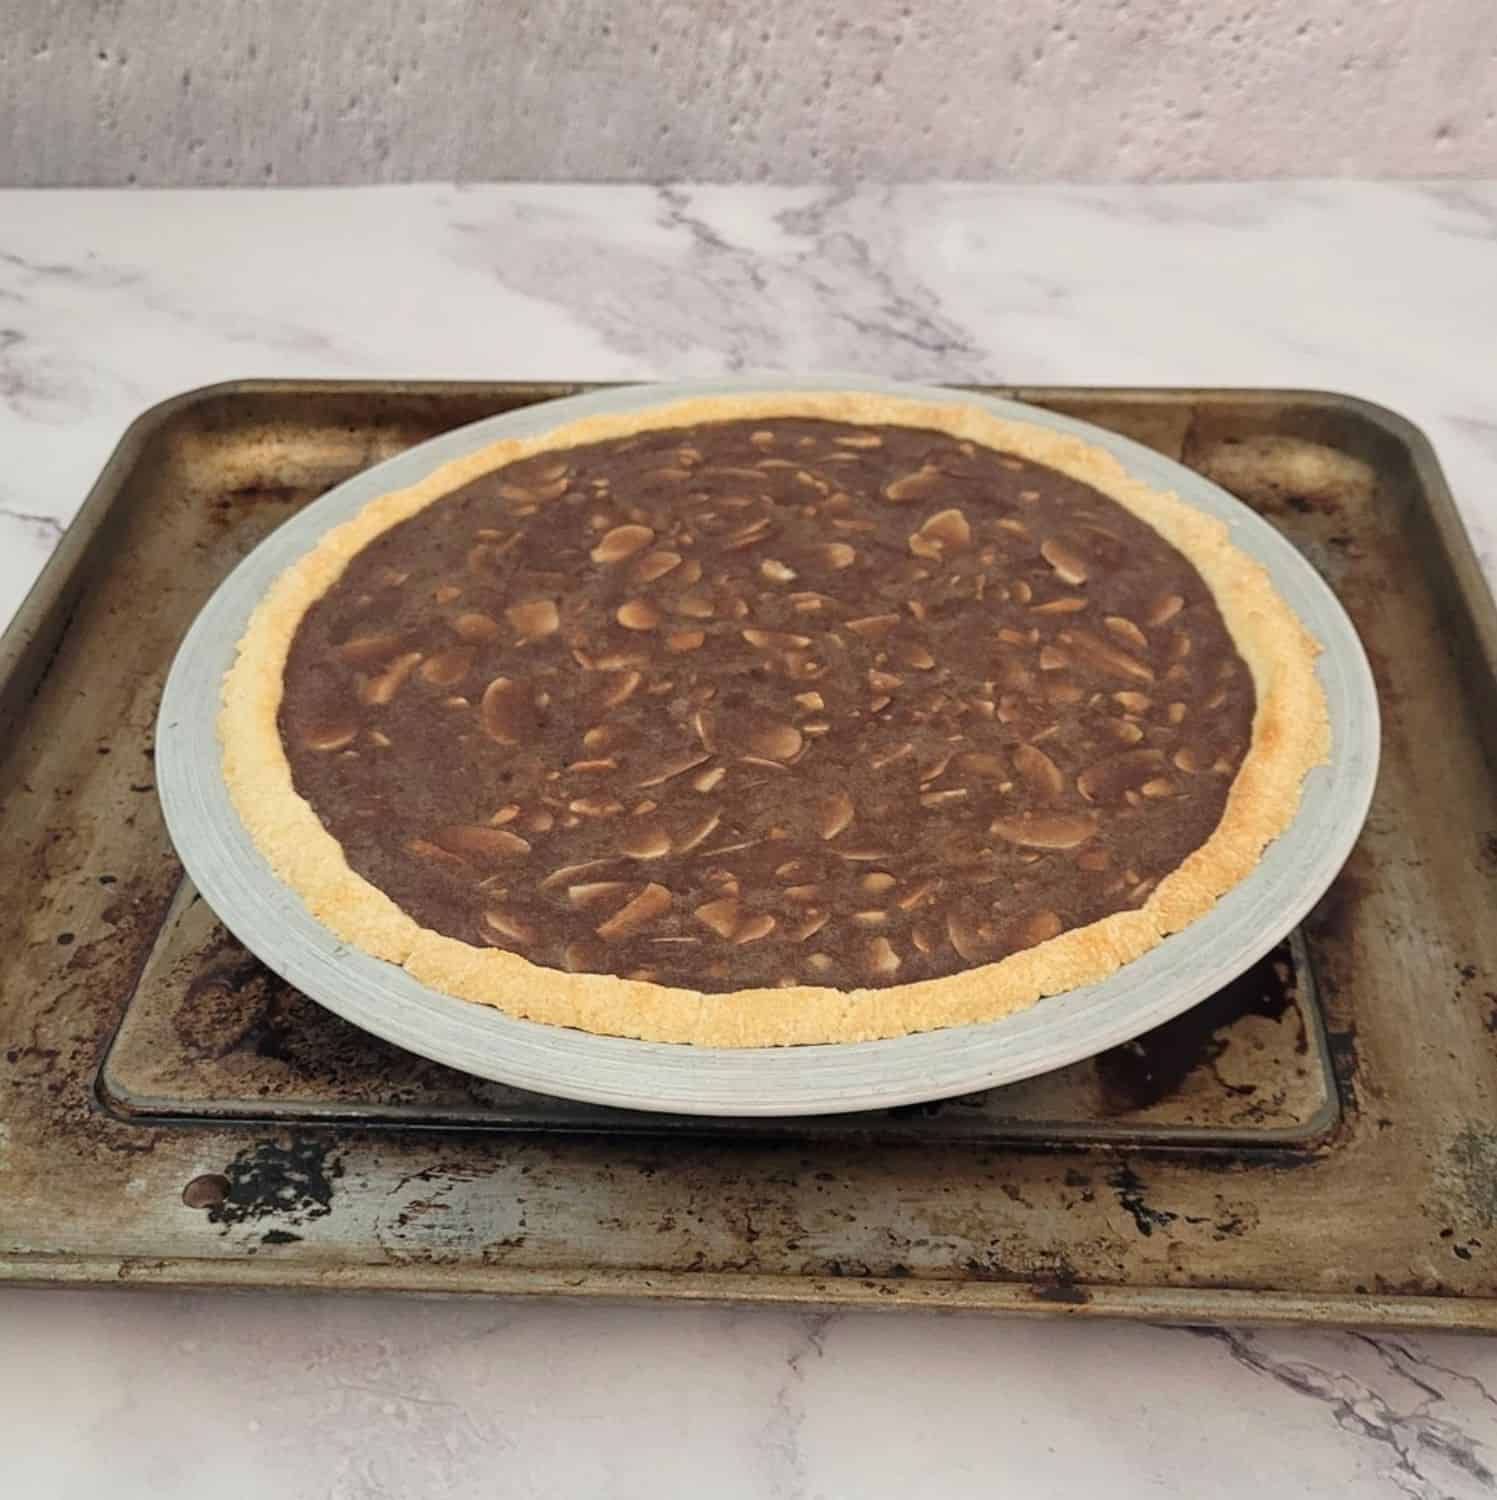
[{"x": 1291, "y": 734}]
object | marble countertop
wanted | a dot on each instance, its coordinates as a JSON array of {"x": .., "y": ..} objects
[{"x": 111, "y": 301}]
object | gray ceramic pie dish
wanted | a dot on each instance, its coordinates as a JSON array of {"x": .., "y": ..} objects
[{"x": 272, "y": 922}]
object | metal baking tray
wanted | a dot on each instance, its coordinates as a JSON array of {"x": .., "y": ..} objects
[{"x": 1316, "y": 1147}]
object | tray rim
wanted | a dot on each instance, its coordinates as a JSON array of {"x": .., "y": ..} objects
[{"x": 233, "y": 877}]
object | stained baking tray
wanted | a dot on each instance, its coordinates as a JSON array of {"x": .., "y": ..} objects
[{"x": 218, "y": 1142}]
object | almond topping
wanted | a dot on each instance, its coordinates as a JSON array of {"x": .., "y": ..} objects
[
  {"x": 720, "y": 916},
  {"x": 881, "y": 959},
  {"x": 507, "y": 712},
  {"x": 370, "y": 650},
  {"x": 1163, "y": 609},
  {"x": 476, "y": 627},
  {"x": 645, "y": 840},
  {"x": 1039, "y": 771},
  {"x": 623, "y": 541},
  {"x": 833, "y": 813},
  {"x": 650, "y": 905},
  {"x": 778, "y": 742},
  {"x": 479, "y": 841},
  {"x": 836, "y": 555},
  {"x": 655, "y": 565},
  {"x": 638, "y": 614},
  {"x": 1126, "y": 630},
  {"x": 1046, "y": 830},
  {"x": 596, "y": 892},
  {"x": 534, "y": 619},
  {"x": 506, "y": 924},
  {"x": 1069, "y": 565},
  {"x": 447, "y": 668},
  {"x": 378, "y": 691},
  {"x": 673, "y": 766}
]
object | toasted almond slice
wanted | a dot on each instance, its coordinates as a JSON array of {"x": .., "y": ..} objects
[
  {"x": 693, "y": 606},
  {"x": 1163, "y": 609},
  {"x": 378, "y": 691},
  {"x": 370, "y": 650},
  {"x": 1067, "y": 604},
  {"x": 708, "y": 780},
  {"x": 1039, "y": 928},
  {"x": 777, "y": 742},
  {"x": 1069, "y": 565},
  {"x": 447, "y": 668},
  {"x": 621, "y": 542},
  {"x": 645, "y": 840},
  {"x": 650, "y": 905},
  {"x": 681, "y": 641},
  {"x": 1125, "y": 630},
  {"x": 870, "y": 627},
  {"x": 476, "y": 627},
  {"x": 507, "y": 924},
  {"x": 574, "y": 874},
  {"x": 880, "y": 959},
  {"x": 720, "y": 916},
  {"x": 1112, "y": 779},
  {"x": 833, "y": 814},
  {"x": 1040, "y": 772},
  {"x": 1094, "y": 650},
  {"x": 835, "y": 555},
  {"x": 534, "y": 619},
  {"x": 617, "y": 687},
  {"x": 918, "y": 894},
  {"x": 776, "y": 571},
  {"x": 1046, "y": 830},
  {"x": 775, "y": 640},
  {"x": 672, "y": 765},
  {"x": 507, "y": 712},
  {"x": 596, "y": 892},
  {"x": 637, "y": 614},
  {"x": 331, "y": 733},
  {"x": 751, "y": 929},
  {"x": 479, "y": 841},
  {"x": 918, "y": 485}
]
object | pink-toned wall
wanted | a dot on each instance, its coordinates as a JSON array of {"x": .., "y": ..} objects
[{"x": 311, "y": 91}]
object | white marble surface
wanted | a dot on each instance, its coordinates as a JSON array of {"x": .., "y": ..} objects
[{"x": 109, "y": 302}]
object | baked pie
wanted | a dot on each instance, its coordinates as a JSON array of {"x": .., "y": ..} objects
[{"x": 767, "y": 719}]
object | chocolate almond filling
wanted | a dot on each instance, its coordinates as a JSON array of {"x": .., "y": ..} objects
[{"x": 743, "y": 704}]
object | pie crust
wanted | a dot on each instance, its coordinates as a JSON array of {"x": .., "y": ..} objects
[{"x": 1290, "y": 735}]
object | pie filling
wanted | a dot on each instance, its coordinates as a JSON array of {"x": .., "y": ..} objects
[{"x": 745, "y": 703}]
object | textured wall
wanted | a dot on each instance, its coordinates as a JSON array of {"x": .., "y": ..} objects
[{"x": 309, "y": 91}]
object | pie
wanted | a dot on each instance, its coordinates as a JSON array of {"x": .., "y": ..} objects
[{"x": 768, "y": 719}]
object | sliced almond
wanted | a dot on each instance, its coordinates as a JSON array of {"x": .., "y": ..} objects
[
  {"x": 634, "y": 916},
  {"x": 798, "y": 929},
  {"x": 1067, "y": 604},
  {"x": 693, "y": 606},
  {"x": 590, "y": 893},
  {"x": 777, "y": 742},
  {"x": 835, "y": 555},
  {"x": 775, "y": 640},
  {"x": 507, "y": 711},
  {"x": 645, "y": 840},
  {"x": 1038, "y": 928},
  {"x": 534, "y": 619},
  {"x": 880, "y": 959},
  {"x": 1053, "y": 659},
  {"x": 1069, "y": 564},
  {"x": 811, "y": 702},
  {"x": 445, "y": 593},
  {"x": 618, "y": 687},
  {"x": 447, "y": 668},
  {"x": 330, "y": 733},
  {"x": 655, "y": 565},
  {"x": 671, "y": 766},
  {"x": 378, "y": 691},
  {"x": 637, "y": 614},
  {"x": 479, "y": 841},
  {"x": 1046, "y": 830},
  {"x": 578, "y": 873},
  {"x": 1125, "y": 630},
  {"x": 947, "y": 530},
  {"x": 776, "y": 571},
  {"x": 370, "y": 650},
  {"x": 1163, "y": 609},
  {"x": 476, "y": 627},
  {"x": 621, "y": 542},
  {"x": 507, "y": 924},
  {"x": 720, "y": 916},
  {"x": 833, "y": 814},
  {"x": 595, "y": 807},
  {"x": 697, "y": 832},
  {"x": 919, "y": 485},
  {"x": 751, "y": 929},
  {"x": 708, "y": 780},
  {"x": 871, "y": 627},
  {"x": 972, "y": 940},
  {"x": 918, "y": 894},
  {"x": 913, "y": 654},
  {"x": 1040, "y": 773}
]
